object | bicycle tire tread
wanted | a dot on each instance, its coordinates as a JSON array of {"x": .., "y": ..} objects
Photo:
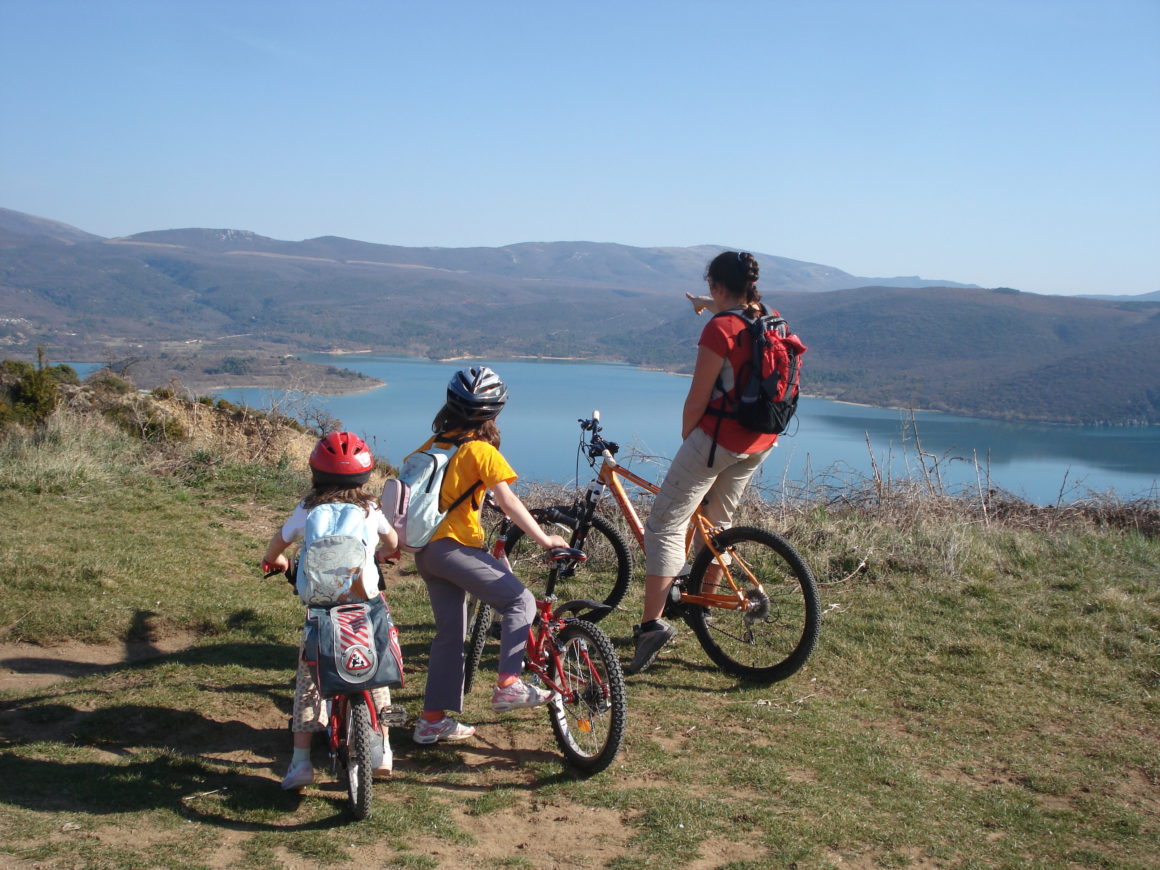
[
  {"x": 805, "y": 644},
  {"x": 617, "y": 711}
]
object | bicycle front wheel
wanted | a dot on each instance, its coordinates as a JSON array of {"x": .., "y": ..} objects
[
  {"x": 603, "y": 577},
  {"x": 589, "y": 723},
  {"x": 480, "y": 628},
  {"x": 355, "y": 755},
  {"x": 773, "y": 636}
]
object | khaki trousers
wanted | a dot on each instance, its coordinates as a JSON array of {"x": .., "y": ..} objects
[{"x": 689, "y": 481}]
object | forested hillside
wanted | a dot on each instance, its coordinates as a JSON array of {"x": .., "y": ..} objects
[
  {"x": 990, "y": 353},
  {"x": 186, "y": 300}
]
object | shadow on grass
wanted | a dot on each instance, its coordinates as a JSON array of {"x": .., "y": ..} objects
[
  {"x": 214, "y": 770},
  {"x": 187, "y": 787},
  {"x": 164, "y": 759},
  {"x": 257, "y": 656}
]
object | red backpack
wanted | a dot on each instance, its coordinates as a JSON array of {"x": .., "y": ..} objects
[{"x": 765, "y": 395}]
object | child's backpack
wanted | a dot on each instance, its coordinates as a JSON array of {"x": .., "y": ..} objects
[
  {"x": 767, "y": 388},
  {"x": 353, "y": 647},
  {"x": 411, "y": 501},
  {"x": 335, "y": 551}
]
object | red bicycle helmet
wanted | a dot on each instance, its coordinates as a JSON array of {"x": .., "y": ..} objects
[{"x": 341, "y": 458}]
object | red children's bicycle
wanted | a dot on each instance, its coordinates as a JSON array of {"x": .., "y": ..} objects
[
  {"x": 572, "y": 657},
  {"x": 353, "y": 738}
]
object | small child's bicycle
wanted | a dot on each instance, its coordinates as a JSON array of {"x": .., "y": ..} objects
[
  {"x": 353, "y": 738},
  {"x": 573, "y": 658}
]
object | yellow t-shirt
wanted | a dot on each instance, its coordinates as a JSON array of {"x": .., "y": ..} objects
[{"x": 474, "y": 461}]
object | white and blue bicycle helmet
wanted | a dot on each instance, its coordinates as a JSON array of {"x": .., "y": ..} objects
[{"x": 476, "y": 394}]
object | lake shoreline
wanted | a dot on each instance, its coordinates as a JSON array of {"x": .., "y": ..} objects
[
  {"x": 639, "y": 368},
  {"x": 829, "y": 398},
  {"x": 640, "y": 410}
]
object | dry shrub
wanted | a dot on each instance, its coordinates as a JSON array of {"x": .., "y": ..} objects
[
  {"x": 851, "y": 527},
  {"x": 71, "y": 451},
  {"x": 238, "y": 434},
  {"x": 184, "y": 431}
]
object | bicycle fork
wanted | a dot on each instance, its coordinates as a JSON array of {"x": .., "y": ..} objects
[{"x": 538, "y": 654}]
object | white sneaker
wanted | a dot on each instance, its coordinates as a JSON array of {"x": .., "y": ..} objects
[
  {"x": 300, "y": 774},
  {"x": 387, "y": 763},
  {"x": 446, "y": 729}
]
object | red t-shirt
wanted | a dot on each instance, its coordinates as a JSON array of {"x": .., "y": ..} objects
[{"x": 726, "y": 337}]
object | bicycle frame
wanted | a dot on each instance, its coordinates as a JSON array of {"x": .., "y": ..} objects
[
  {"x": 608, "y": 479},
  {"x": 541, "y": 648}
]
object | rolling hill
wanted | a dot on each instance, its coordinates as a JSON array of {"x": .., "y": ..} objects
[{"x": 899, "y": 342}]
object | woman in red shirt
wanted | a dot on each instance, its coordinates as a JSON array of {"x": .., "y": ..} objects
[{"x": 717, "y": 456}]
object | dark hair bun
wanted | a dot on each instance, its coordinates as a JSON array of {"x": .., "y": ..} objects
[
  {"x": 749, "y": 268},
  {"x": 737, "y": 272}
]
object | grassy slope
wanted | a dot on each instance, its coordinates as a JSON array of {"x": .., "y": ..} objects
[{"x": 984, "y": 695}]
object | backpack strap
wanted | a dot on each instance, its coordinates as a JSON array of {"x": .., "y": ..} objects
[
  {"x": 726, "y": 401},
  {"x": 728, "y": 405},
  {"x": 441, "y": 438},
  {"x": 470, "y": 490}
]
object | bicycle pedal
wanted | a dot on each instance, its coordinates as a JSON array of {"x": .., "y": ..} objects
[{"x": 394, "y": 716}]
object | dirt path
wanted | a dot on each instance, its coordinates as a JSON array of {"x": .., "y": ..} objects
[{"x": 25, "y": 667}]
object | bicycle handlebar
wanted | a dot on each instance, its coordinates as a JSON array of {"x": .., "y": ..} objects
[
  {"x": 596, "y": 447},
  {"x": 288, "y": 573}
]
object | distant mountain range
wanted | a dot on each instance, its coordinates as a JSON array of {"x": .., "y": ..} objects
[
  {"x": 904, "y": 342},
  {"x": 1110, "y": 297}
]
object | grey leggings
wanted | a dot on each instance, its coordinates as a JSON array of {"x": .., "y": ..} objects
[{"x": 451, "y": 572}]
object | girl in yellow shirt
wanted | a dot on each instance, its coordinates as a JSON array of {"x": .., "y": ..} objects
[{"x": 455, "y": 563}]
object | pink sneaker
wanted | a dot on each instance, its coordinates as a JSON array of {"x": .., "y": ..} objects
[{"x": 518, "y": 694}]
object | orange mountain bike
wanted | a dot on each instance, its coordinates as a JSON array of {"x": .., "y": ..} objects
[{"x": 748, "y": 596}]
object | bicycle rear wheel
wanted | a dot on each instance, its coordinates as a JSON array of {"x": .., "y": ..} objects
[
  {"x": 772, "y": 638},
  {"x": 589, "y": 726},
  {"x": 355, "y": 755},
  {"x": 604, "y": 577},
  {"x": 479, "y": 630}
]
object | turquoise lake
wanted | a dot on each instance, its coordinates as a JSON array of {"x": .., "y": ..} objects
[{"x": 827, "y": 444}]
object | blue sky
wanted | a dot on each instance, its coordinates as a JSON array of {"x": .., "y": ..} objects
[{"x": 1010, "y": 143}]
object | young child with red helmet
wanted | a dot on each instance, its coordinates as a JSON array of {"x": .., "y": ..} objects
[
  {"x": 455, "y": 562},
  {"x": 340, "y": 467}
]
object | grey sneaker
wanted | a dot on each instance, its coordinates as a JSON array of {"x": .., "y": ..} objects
[
  {"x": 648, "y": 644},
  {"x": 446, "y": 729}
]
